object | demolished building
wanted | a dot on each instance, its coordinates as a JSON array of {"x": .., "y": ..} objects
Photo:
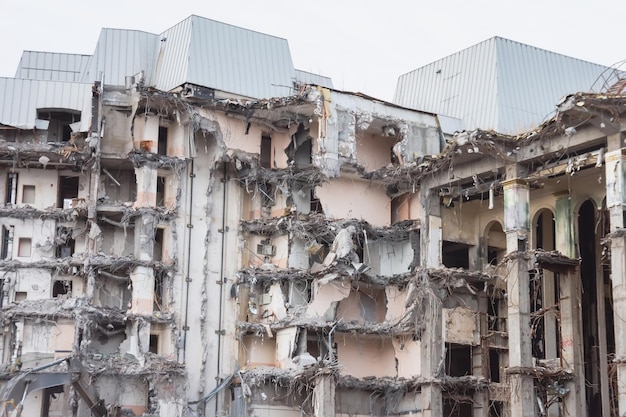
[{"x": 217, "y": 244}]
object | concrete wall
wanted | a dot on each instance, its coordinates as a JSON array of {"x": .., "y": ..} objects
[{"x": 349, "y": 198}]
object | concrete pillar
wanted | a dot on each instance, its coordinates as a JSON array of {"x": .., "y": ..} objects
[
  {"x": 516, "y": 225},
  {"x": 324, "y": 396},
  {"x": 146, "y": 186},
  {"x": 146, "y": 135},
  {"x": 616, "y": 203},
  {"x": 569, "y": 306}
]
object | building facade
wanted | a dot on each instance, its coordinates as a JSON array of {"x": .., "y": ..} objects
[{"x": 175, "y": 246}]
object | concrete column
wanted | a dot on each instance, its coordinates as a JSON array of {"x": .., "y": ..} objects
[
  {"x": 431, "y": 355},
  {"x": 616, "y": 203},
  {"x": 146, "y": 135},
  {"x": 324, "y": 396},
  {"x": 146, "y": 186},
  {"x": 432, "y": 341},
  {"x": 569, "y": 305},
  {"x": 618, "y": 278},
  {"x": 516, "y": 225}
]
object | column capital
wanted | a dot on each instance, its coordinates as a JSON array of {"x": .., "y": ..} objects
[
  {"x": 514, "y": 181},
  {"x": 615, "y": 155}
]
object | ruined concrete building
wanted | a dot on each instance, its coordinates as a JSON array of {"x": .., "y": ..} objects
[{"x": 193, "y": 227}]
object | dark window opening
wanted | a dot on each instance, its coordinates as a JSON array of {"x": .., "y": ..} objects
[
  {"x": 162, "y": 145},
  {"x": 496, "y": 409},
  {"x": 454, "y": 407},
  {"x": 494, "y": 365},
  {"x": 61, "y": 288},
  {"x": 316, "y": 345},
  {"x": 458, "y": 360},
  {"x": 455, "y": 255},
  {"x": 68, "y": 190},
  {"x": 52, "y": 401},
  {"x": 494, "y": 320},
  {"x": 160, "y": 191},
  {"x": 7, "y": 242},
  {"x": 65, "y": 244},
  {"x": 265, "y": 157},
  {"x": 59, "y": 129},
  {"x": 267, "y": 194},
  {"x": 154, "y": 344},
  {"x": 159, "y": 289},
  {"x": 492, "y": 255},
  {"x": 300, "y": 149},
  {"x": 537, "y": 323},
  {"x": 316, "y": 204},
  {"x": 157, "y": 254},
  {"x": 297, "y": 293},
  {"x": 11, "y": 192}
]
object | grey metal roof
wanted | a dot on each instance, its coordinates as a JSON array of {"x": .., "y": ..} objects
[
  {"x": 225, "y": 57},
  {"x": 120, "y": 53},
  {"x": 197, "y": 51},
  {"x": 20, "y": 100},
  {"x": 51, "y": 66},
  {"x": 305, "y": 77},
  {"x": 497, "y": 84}
]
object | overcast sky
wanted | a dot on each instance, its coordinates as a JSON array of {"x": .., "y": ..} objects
[{"x": 363, "y": 45}]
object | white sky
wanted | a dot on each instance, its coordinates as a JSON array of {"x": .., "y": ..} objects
[{"x": 363, "y": 45}]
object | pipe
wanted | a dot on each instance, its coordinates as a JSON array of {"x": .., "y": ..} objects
[
  {"x": 222, "y": 262},
  {"x": 192, "y": 175}
]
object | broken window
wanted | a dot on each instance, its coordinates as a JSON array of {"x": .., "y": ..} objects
[
  {"x": 24, "y": 247},
  {"x": 496, "y": 244},
  {"x": 159, "y": 290},
  {"x": 28, "y": 194},
  {"x": 455, "y": 255},
  {"x": 400, "y": 208},
  {"x": 265, "y": 157},
  {"x": 158, "y": 245},
  {"x": 297, "y": 293},
  {"x": 61, "y": 287},
  {"x": 11, "y": 191},
  {"x": 20, "y": 296},
  {"x": 300, "y": 148},
  {"x": 60, "y": 123},
  {"x": 154, "y": 344},
  {"x": 494, "y": 365},
  {"x": 162, "y": 145},
  {"x": 53, "y": 402},
  {"x": 68, "y": 191},
  {"x": 496, "y": 409},
  {"x": 457, "y": 407},
  {"x": 64, "y": 242},
  {"x": 495, "y": 321},
  {"x": 316, "y": 204},
  {"x": 160, "y": 191},
  {"x": 7, "y": 242},
  {"x": 458, "y": 360}
]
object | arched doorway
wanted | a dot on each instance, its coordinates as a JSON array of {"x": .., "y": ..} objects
[{"x": 596, "y": 314}]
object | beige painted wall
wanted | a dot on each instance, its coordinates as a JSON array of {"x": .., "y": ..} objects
[
  {"x": 362, "y": 356},
  {"x": 352, "y": 198}
]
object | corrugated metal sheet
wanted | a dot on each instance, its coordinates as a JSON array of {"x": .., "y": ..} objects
[
  {"x": 239, "y": 61},
  {"x": 531, "y": 81},
  {"x": 22, "y": 98},
  {"x": 172, "y": 59},
  {"x": 51, "y": 66},
  {"x": 305, "y": 77},
  {"x": 197, "y": 50},
  {"x": 120, "y": 53},
  {"x": 497, "y": 84}
]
